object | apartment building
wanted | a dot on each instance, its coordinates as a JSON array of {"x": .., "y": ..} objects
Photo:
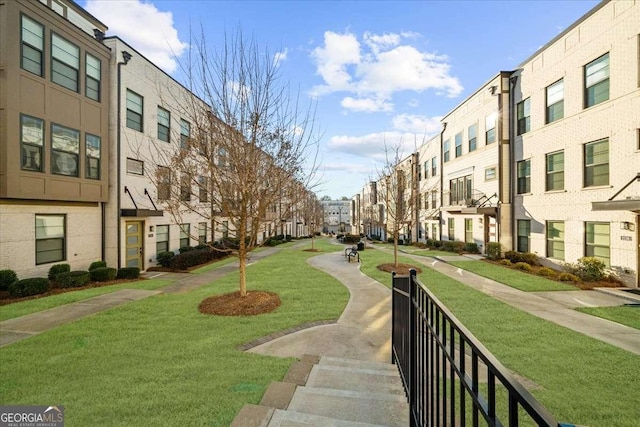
[
  {"x": 336, "y": 216},
  {"x": 54, "y": 136},
  {"x": 428, "y": 203},
  {"x": 577, "y": 143}
]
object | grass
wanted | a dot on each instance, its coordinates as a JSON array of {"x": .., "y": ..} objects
[
  {"x": 213, "y": 265},
  {"x": 159, "y": 361},
  {"x": 370, "y": 259},
  {"x": 23, "y": 308},
  {"x": 625, "y": 315},
  {"x": 514, "y": 278},
  {"x": 425, "y": 252}
]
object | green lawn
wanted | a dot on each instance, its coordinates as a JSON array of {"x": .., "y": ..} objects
[
  {"x": 626, "y": 315},
  {"x": 424, "y": 252},
  {"x": 370, "y": 259},
  {"x": 214, "y": 265},
  {"x": 514, "y": 278},
  {"x": 159, "y": 361}
]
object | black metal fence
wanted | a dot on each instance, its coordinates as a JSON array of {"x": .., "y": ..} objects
[{"x": 450, "y": 378}]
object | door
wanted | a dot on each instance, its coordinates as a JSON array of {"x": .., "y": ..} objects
[{"x": 135, "y": 255}]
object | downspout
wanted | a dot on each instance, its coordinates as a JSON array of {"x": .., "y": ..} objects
[
  {"x": 514, "y": 229},
  {"x": 444, "y": 127},
  {"x": 126, "y": 56}
]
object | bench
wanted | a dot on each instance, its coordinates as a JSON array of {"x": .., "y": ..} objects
[{"x": 352, "y": 253}]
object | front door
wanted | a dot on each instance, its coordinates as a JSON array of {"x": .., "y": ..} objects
[{"x": 135, "y": 256}]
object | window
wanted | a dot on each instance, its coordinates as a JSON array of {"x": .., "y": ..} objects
[
  {"x": 185, "y": 133},
  {"x": 445, "y": 149},
  {"x": 50, "y": 238},
  {"x": 452, "y": 228},
  {"x": 524, "y": 119},
  {"x": 426, "y": 169},
  {"x": 434, "y": 198},
  {"x": 92, "y": 147},
  {"x": 490, "y": 174},
  {"x": 461, "y": 190},
  {"x": 434, "y": 167},
  {"x": 65, "y": 63},
  {"x": 65, "y": 150},
  {"x": 162, "y": 238},
  {"x": 434, "y": 231},
  {"x": 468, "y": 230},
  {"x": 555, "y": 239},
  {"x": 222, "y": 157},
  {"x": 135, "y": 167},
  {"x": 426, "y": 200},
  {"x": 134, "y": 111},
  {"x": 185, "y": 188},
  {"x": 225, "y": 229},
  {"x": 596, "y": 79},
  {"x": 92, "y": 78},
  {"x": 597, "y": 241},
  {"x": 164, "y": 182},
  {"x": 473, "y": 136},
  {"x": 184, "y": 235},
  {"x": 458, "y": 142},
  {"x": 164, "y": 124},
  {"x": 524, "y": 233},
  {"x": 202, "y": 233},
  {"x": 32, "y": 36},
  {"x": 555, "y": 171},
  {"x": 203, "y": 193},
  {"x": 524, "y": 176},
  {"x": 555, "y": 101},
  {"x": 32, "y": 141},
  {"x": 490, "y": 126},
  {"x": 596, "y": 163}
]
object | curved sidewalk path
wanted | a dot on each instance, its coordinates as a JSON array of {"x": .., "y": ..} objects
[{"x": 362, "y": 332}]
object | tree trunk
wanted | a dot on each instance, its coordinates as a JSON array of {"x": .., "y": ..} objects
[
  {"x": 242, "y": 258},
  {"x": 395, "y": 249}
]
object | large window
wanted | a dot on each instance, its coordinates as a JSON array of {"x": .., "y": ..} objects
[
  {"x": 426, "y": 169},
  {"x": 524, "y": 176},
  {"x": 92, "y": 146},
  {"x": 93, "y": 73},
  {"x": 523, "y": 110},
  {"x": 164, "y": 182},
  {"x": 185, "y": 230},
  {"x": 202, "y": 233},
  {"x": 596, "y": 79},
  {"x": 434, "y": 167},
  {"x": 596, "y": 163},
  {"x": 555, "y": 101},
  {"x": 524, "y": 233},
  {"x": 203, "y": 189},
  {"x": 446, "y": 147},
  {"x": 597, "y": 241},
  {"x": 164, "y": 124},
  {"x": 555, "y": 239},
  {"x": 185, "y": 188},
  {"x": 185, "y": 133},
  {"x": 162, "y": 238},
  {"x": 458, "y": 142},
  {"x": 135, "y": 167},
  {"x": 32, "y": 46},
  {"x": 490, "y": 126},
  {"x": 32, "y": 143},
  {"x": 468, "y": 230},
  {"x": 555, "y": 171},
  {"x": 65, "y": 150},
  {"x": 473, "y": 137},
  {"x": 461, "y": 190},
  {"x": 134, "y": 111},
  {"x": 50, "y": 238},
  {"x": 65, "y": 63},
  {"x": 434, "y": 199},
  {"x": 451, "y": 225}
]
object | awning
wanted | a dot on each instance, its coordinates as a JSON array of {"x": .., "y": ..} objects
[
  {"x": 632, "y": 205},
  {"x": 140, "y": 212}
]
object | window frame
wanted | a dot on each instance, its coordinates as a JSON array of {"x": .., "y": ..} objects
[
  {"x": 185, "y": 133},
  {"x": 495, "y": 173},
  {"x": 185, "y": 235},
  {"x": 131, "y": 114},
  {"x": 458, "y": 144},
  {"x": 588, "y": 93},
  {"x": 472, "y": 137},
  {"x": 166, "y": 129},
  {"x": 163, "y": 185},
  {"x": 89, "y": 159},
  {"x": 24, "y": 144},
  {"x": 523, "y": 116},
  {"x": 202, "y": 237},
  {"x": 552, "y": 240},
  {"x": 90, "y": 78},
  {"x": 58, "y": 154},
  {"x": 434, "y": 166},
  {"x": 58, "y": 64},
  {"x": 468, "y": 230},
  {"x": 446, "y": 147},
  {"x": 203, "y": 189},
  {"x": 29, "y": 45},
  {"x": 490, "y": 123},
  {"x": 549, "y": 174},
  {"x": 590, "y": 246},
  {"x": 451, "y": 229},
  {"x": 132, "y": 161},
  {"x": 555, "y": 105},
  {"x": 523, "y": 181},
  {"x": 63, "y": 239},
  {"x": 164, "y": 243},
  {"x": 585, "y": 182},
  {"x": 526, "y": 235}
]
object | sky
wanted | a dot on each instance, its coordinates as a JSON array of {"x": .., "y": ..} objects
[{"x": 379, "y": 73}]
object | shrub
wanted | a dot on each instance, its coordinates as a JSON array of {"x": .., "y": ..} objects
[
  {"x": 28, "y": 287},
  {"x": 57, "y": 269},
  {"x": 186, "y": 249},
  {"x": 97, "y": 264},
  {"x": 419, "y": 245},
  {"x": 7, "y": 277},
  {"x": 590, "y": 269},
  {"x": 102, "y": 274},
  {"x": 191, "y": 258},
  {"x": 546, "y": 272},
  {"x": 72, "y": 279},
  {"x": 471, "y": 248},
  {"x": 287, "y": 237},
  {"x": 453, "y": 246},
  {"x": 164, "y": 258},
  {"x": 506, "y": 262},
  {"x": 273, "y": 242},
  {"x": 568, "y": 277},
  {"x": 128, "y": 273},
  {"x": 527, "y": 257},
  {"x": 389, "y": 239},
  {"x": 522, "y": 266},
  {"x": 494, "y": 251},
  {"x": 351, "y": 238}
]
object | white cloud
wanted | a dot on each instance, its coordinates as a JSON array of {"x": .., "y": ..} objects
[
  {"x": 366, "y": 104},
  {"x": 384, "y": 65},
  {"x": 280, "y": 57},
  {"x": 373, "y": 145},
  {"x": 420, "y": 125},
  {"x": 144, "y": 27}
]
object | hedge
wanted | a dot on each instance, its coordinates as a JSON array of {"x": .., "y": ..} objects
[
  {"x": 196, "y": 257},
  {"x": 72, "y": 279},
  {"x": 28, "y": 287},
  {"x": 57, "y": 269},
  {"x": 164, "y": 258},
  {"x": 526, "y": 257},
  {"x": 128, "y": 273},
  {"x": 494, "y": 250},
  {"x": 7, "y": 277},
  {"x": 102, "y": 274},
  {"x": 97, "y": 264}
]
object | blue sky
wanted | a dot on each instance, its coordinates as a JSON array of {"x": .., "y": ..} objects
[{"x": 379, "y": 71}]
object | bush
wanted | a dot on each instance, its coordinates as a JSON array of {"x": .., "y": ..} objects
[
  {"x": 506, "y": 262},
  {"x": 419, "y": 245},
  {"x": 7, "y": 277},
  {"x": 494, "y": 251},
  {"x": 97, "y": 264},
  {"x": 351, "y": 238},
  {"x": 526, "y": 257},
  {"x": 546, "y": 272},
  {"x": 186, "y": 249},
  {"x": 522, "y": 266},
  {"x": 28, "y": 287},
  {"x": 273, "y": 242},
  {"x": 453, "y": 246},
  {"x": 389, "y": 239},
  {"x": 164, "y": 258},
  {"x": 57, "y": 269},
  {"x": 590, "y": 269},
  {"x": 568, "y": 277},
  {"x": 72, "y": 279},
  {"x": 471, "y": 248},
  {"x": 128, "y": 273},
  {"x": 102, "y": 274},
  {"x": 197, "y": 257}
]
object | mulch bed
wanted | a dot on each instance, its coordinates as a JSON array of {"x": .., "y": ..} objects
[{"x": 232, "y": 304}]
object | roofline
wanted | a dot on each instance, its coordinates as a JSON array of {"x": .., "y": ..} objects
[
  {"x": 500, "y": 74},
  {"x": 86, "y": 14}
]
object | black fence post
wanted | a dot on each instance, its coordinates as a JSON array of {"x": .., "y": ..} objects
[
  {"x": 393, "y": 315},
  {"x": 413, "y": 334}
]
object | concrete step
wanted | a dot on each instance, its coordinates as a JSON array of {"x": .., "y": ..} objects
[
  {"x": 297, "y": 419},
  {"x": 360, "y": 364},
  {"x": 355, "y": 379},
  {"x": 356, "y": 406}
]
